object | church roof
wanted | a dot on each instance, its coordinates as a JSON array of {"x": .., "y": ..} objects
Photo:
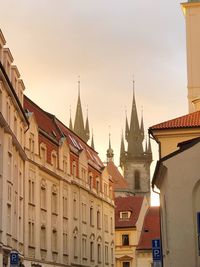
[
  {"x": 186, "y": 121},
  {"x": 118, "y": 180},
  {"x": 132, "y": 204},
  {"x": 151, "y": 229}
]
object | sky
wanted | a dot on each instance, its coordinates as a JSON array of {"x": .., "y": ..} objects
[{"x": 107, "y": 43}]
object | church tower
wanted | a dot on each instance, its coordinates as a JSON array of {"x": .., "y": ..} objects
[
  {"x": 191, "y": 10},
  {"x": 82, "y": 131},
  {"x": 135, "y": 161}
]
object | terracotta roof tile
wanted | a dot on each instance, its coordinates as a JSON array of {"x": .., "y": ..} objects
[
  {"x": 118, "y": 180},
  {"x": 186, "y": 121},
  {"x": 129, "y": 203},
  {"x": 151, "y": 228}
]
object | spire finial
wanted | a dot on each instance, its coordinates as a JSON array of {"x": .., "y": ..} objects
[
  {"x": 79, "y": 85},
  {"x": 133, "y": 85}
]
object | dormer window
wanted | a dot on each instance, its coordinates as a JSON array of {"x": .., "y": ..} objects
[{"x": 125, "y": 215}]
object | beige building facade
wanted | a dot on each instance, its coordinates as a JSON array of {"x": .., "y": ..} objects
[
  {"x": 177, "y": 171},
  {"x": 177, "y": 177},
  {"x": 57, "y": 206}
]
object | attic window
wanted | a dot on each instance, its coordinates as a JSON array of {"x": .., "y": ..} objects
[{"x": 125, "y": 215}]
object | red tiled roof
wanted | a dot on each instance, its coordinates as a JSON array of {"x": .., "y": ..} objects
[
  {"x": 43, "y": 119},
  {"x": 130, "y": 203},
  {"x": 118, "y": 180},
  {"x": 151, "y": 228},
  {"x": 186, "y": 121},
  {"x": 56, "y": 130}
]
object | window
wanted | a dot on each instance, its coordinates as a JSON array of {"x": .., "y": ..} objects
[
  {"x": 54, "y": 202},
  {"x": 84, "y": 212},
  {"x": 99, "y": 253},
  {"x": 65, "y": 206},
  {"x": 9, "y": 166},
  {"x": 65, "y": 243},
  {"x": 126, "y": 264},
  {"x": 83, "y": 174},
  {"x": 54, "y": 240},
  {"x": 31, "y": 233},
  {"x": 106, "y": 222},
  {"x": 98, "y": 186},
  {"x": 125, "y": 215},
  {"x": 54, "y": 160},
  {"x": 31, "y": 191},
  {"x": 112, "y": 255},
  {"x": 43, "y": 198},
  {"x": 90, "y": 181},
  {"x": 8, "y": 223},
  {"x": 106, "y": 254},
  {"x": 75, "y": 247},
  {"x": 98, "y": 220},
  {"x": 84, "y": 256},
  {"x": 137, "y": 180},
  {"x": 75, "y": 208},
  {"x": 9, "y": 188},
  {"x": 43, "y": 238},
  {"x": 91, "y": 216},
  {"x": 125, "y": 240},
  {"x": 91, "y": 251},
  {"x": 43, "y": 154}
]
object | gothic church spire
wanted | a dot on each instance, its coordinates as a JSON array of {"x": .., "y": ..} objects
[
  {"x": 79, "y": 123},
  {"x": 135, "y": 139}
]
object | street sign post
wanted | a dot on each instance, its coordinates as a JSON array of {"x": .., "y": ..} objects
[
  {"x": 14, "y": 259},
  {"x": 156, "y": 253}
]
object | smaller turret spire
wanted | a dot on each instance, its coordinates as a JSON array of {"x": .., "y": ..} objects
[
  {"x": 110, "y": 153},
  {"x": 142, "y": 125},
  {"x": 87, "y": 128},
  {"x": 122, "y": 150},
  {"x": 92, "y": 141},
  {"x": 70, "y": 120},
  {"x": 126, "y": 127}
]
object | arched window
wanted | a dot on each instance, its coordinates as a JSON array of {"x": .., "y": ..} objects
[{"x": 137, "y": 180}]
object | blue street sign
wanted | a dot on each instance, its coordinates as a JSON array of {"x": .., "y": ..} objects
[
  {"x": 156, "y": 250},
  {"x": 14, "y": 258}
]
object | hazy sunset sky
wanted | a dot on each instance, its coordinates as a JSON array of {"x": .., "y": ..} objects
[{"x": 105, "y": 42}]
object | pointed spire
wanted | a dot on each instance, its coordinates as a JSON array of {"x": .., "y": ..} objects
[
  {"x": 126, "y": 128},
  {"x": 70, "y": 121},
  {"x": 92, "y": 141},
  {"x": 110, "y": 153},
  {"x": 87, "y": 129},
  {"x": 122, "y": 150},
  {"x": 135, "y": 147},
  {"x": 142, "y": 126}
]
